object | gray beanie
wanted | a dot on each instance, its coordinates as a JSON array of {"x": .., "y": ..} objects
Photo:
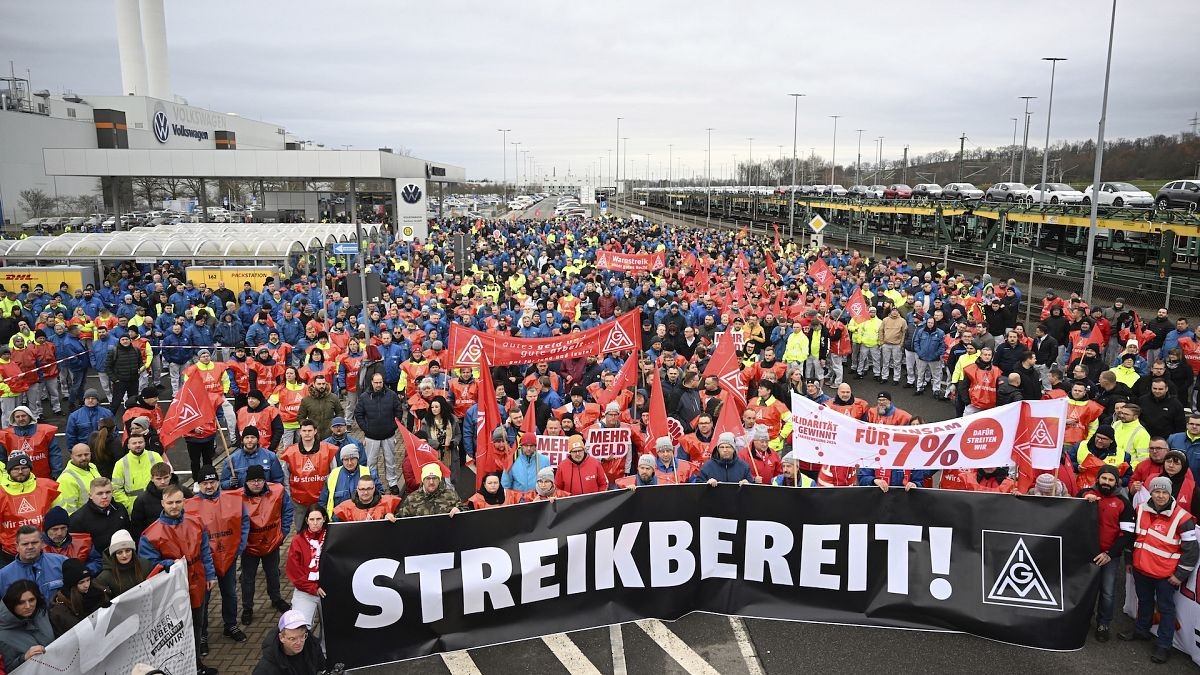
[
  {"x": 1160, "y": 483},
  {"x": 546, "y": 473},
  {"x": 761, "y": 433},
  {"x": 646, "y": 460},
  {"x": 613, "y": 406},
  {"x": 663, "y": 443},
  {"x": 790, "y": 458},
  {"x": 726, "y": 439}
]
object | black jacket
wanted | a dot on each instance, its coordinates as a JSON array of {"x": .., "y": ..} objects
[
  {"x": 309, "y": 661},
  {"x": 376, "y": 413},
  {"x": 123, "y": 363},
  {"x": 101, "y": 523},
  {"x": 147, "y": 507},
  {"x": 1161, "y": 418},
  {"x": 1046, "y": 350},
  {"x": 1006, "y": 393},
  {"x": 1031, "y": 384}
]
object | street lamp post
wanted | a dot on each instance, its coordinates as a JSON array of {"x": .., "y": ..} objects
[
  {"x": 1025, "y": 141},
  {"x": 617, "y": 175},
  {"x": 1089, "y": 265},
  {"x": 878, "y": 158},
  {"x": 1049, "y": 111},
  {"x": 516, "y": 166},
  {"x": 858, "y": 162},
  {"x": 792, "y": 191},
  {"x": 504, "y": 161},
  {"x": 708, "y": 181},
  {"x": 833, "y": 155},
  {"x": 750, "y": 163}
]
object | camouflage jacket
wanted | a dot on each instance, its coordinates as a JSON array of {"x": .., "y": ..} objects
[{"x": 421, "y": 503}]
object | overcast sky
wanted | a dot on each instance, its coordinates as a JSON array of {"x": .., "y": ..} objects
[{"x": 442, "y": 77}]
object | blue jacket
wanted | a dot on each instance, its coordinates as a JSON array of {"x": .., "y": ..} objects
[
  {"x": 344, "y": 484},
  {"x": 257, "y": 334},
  {"x": 229, "y": 333},
  {"x": 53, "y": 450},
  {"x": 70, "y": 347},
  {"x": 522, "y": 476},
  {"x": 45, "y": 571},
  {"x": 85, "y": 420},
  {"x": 240, "y": 461},
  {"x": 726, "y": 471},
  {"x": 94, "y": 562},
  {"x": 1171, "y": 341},
  {"x": 391, "y": 356},
  {"x": 929, "y": 345},
  {"x": 99, "y": 350},
  {"x": 1191, "y": 448},
  {"x": 199, "y": 336},
  {"x": 147, "y": 550},
  {"x": 176, "y": 349},
  {"x": 342, "y": 442},
  {"x": 895, "y": 477},
  {"x": 470, "y": 430}
]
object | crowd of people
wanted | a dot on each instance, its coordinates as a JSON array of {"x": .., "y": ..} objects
[{"x": 320, "y": 405}]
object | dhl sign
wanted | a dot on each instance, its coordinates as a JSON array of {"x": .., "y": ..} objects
[{"x": 51, "y": 277}]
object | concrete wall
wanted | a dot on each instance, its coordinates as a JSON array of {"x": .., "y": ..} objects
[
  {"x": 22, "y": 137},
  {"x": 139, "y": 114}
]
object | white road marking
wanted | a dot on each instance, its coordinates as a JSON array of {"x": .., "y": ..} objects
[
  {"x": 569, "y": 654},
  {"x": 749, "y": 655},
  {"x": 460, "y": 663},
  {"x": 617, "y": 640},
  {"x": 676, "y": 648}
]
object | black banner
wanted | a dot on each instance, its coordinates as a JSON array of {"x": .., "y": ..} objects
[{"x": 1015, "y": 569}]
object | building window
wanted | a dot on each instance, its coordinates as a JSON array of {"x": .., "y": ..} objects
[
  {"x": 137, "y": 125},
  {"x": 71, "y": 113}
]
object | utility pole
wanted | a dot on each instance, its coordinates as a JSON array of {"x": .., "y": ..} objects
[
  {"x": 962, "y": 145},
  {"x": 878, "y": 159},
  {"x": 1012, "y": 153},
  {"x": 904, "y": 172},
  {"x": 792, "y": 191},
  {"x": 504, "y": 160},
  {"x": 1195, "y": 122},
  {"x": 1089, "y": 266},
  {"x": 617, "y": 175},
  {"x": 750, "y": 163},
  {"x": 833, "y": 155},
  {"x": 1025, "y": 143},
  {"x": 516, "y": 166},
  {"x": 1049, "y": 111},
  {"x": 858, "y": 162}
]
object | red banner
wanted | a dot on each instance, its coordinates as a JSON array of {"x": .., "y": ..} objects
[
  {"x": 630, "y": 262},
  {"x": 470, "y": 347},
  {"x": 857, "y": 307}
]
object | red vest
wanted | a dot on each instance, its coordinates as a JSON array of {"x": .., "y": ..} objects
[
  {"x": 266, "y": 377},
  {"x": 47, "y": 358},
  {"x": 261, "y": 420},
  {"x": 24, "y": 509},
  {"x": 222, "y": 519},
  {"x": 982, "y": 385},
  {"x": 352, "y": 362},
  {"x": 683, "y": 473},
  {"x": 307, "y": 473},
  {"x": 289, "y": 403},
  {"x": 240, "y": 372},
  {"x": 348, "y": 511},
  {"x": 1156, "y": 551},
  {"x": 79, "y": 547},
  {"x": 266, "y": 519},
  {"x": 36, "y": 446},
  {"x": 478, "y": 503},
  {"x": 182, "y": 541}
]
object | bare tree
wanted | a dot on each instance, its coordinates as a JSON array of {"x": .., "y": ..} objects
[{"x": 36, "y": 202}]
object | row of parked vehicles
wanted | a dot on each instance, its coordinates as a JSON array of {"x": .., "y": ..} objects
[
  {"x": 1178, "y": 194},
  {"x": 103, "y": 222}
]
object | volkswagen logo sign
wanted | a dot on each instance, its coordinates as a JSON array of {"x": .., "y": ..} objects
[
  {"x": 162, "y": 130},
  {"x": 411, "y": 193}
]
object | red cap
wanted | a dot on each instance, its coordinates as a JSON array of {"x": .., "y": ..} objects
[{"x": 528, "y": 438}]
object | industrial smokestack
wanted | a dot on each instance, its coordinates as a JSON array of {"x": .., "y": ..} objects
[
  {"x": 154, "y": 36},
  {"x": 129, "y": 45}
]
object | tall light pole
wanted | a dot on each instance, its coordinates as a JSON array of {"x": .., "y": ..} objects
[
  {"x": 878, "y": 158},
  {"x": 833, "y": 155},
  {"x": 1049, "y": 110},
  {"x": 504, "y": 160},
  {"x": 1025, "y": 142},
  {"x": 625, "y": 166},
  {"x": 617, "y": 176},
  {"x": 516, "y": 166},
  {"x": 1089, "y": 265},
  {"x": 1012, "y": 153},
  {"x": 750, "y": 163},
  {"x": 858, "y": 162},
  {"x": 792, "y": 191},
  {"x": 708, "y": 181}
]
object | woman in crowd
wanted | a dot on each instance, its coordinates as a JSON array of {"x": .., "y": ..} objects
[
  {"x": 123, "y": 569},
  {"x": 106, "y": 448},
  {"x": 77, "y": 598},
  {"x": 439, "y": 424},
  {"x": 492, "y": 493},
  {"x": 304, "y": 562},
  {"x": 25, "y": 629}
]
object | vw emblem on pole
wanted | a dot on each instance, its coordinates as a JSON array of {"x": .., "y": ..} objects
[
  {"x": 411, "y": 193},
  {"x": 162, "y": 130}
]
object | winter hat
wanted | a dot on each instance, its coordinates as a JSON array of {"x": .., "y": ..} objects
[
  {"x": 885, "y": 394},
  {"x": 73, "y": 572},
  {"x": 208, "y": 472},
  {"x": 255, "y": 472},
  {"x": 575, "y": 441},
  {"x": 121, "y": 541},
  {"x": 430, "y": 469},
  {"x": 1176, "y": 454},
  {"x": 256, "y": 394},
  {"x": 1105, "y": 430},
  {"x": 250, "y": 430},
  {"x": 761, "y": 433},
  {"x": 91, "y": 393},
  {"x": 790, "y": 458},
  {"x": 1110, "y": 469},
  {"x": 150, "y": 392},
  {"x": 349, "y": 450},
  {"x": 54, "y": 517},
  {"x": 612, "y": 407},
  {"x": 726, "y": 439},
  {"x": 1045, "y": 484},
  {"x": 663, "y": 443},
  {"x": 18, "y": 459},
  {"x": 141, "y": 421},
  {"x": 1160, "y": 483},
  {"x": 293, "y": 618},
  {"x": 546, "y": 473},
  {"x": 498, "y": 434},
  {"x": 528, "y": 438}
]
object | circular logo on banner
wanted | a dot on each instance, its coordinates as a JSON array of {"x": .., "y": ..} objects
[
  {"x": 408, "y": 232},
  {"x": 981, "y": 438},
  {"x": 411, "y": 193},
  {"x": 162, "y": 130}
]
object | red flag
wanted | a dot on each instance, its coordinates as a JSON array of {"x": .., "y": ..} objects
[
  {"x": 775, "y": 226},
  {"x": 191, "y": 411},
  {"x": 626, "y": 377},
  {"x": 739, "y": 288},
  {"x": 529, "y": 424},
  {"x": 742, "y": 233},
  {"x": 724, "y": 365},
  {"x": 728, "y": 420},
  {"x": 857, "y": 307},
  {"x": 418, "y": 453},
  {"x": 771, "y": 266},
  {"x": 821, "y": 274},
  {"x": 658, "y": 408},
  {"x": 487, "y": 459}
]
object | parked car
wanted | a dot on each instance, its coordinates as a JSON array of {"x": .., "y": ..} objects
[
  {"x": 1006, "y": 192},
  {"x": 834, "y": 191},
  {"x": 877, "y": 191},
  {"x": 961, "y": 191},
  {"x": 859, "y": 191},
  {"x": 814, "y": 190},
  {"x": 927, "y": 190},
  {"x": 897, "y": 191},
  {"x": 1181, "y": 194},
  {"x": 1053, "y": 193},
  {"x": 1119, "y": 194}
]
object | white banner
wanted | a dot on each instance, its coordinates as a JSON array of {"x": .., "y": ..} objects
[
  {"x": 150, "y": 623},
  {"x": 991, "y": 438},
  {"x": 1187, "y": 615}
]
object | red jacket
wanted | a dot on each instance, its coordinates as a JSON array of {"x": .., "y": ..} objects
[
  {"x": 304, "y": 561},
  {"x": 581, "y": 479},
  {"x": 765, "y": 468}
]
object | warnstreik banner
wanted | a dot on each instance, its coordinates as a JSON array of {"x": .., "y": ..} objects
[
  {"x": 469, "y": 346},
  {"x": 986, "y": 439},
  {"x": 630, "y": 262},
  {"x": 1003, "y": 567},
  {"x": 150, "y": 623}
]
